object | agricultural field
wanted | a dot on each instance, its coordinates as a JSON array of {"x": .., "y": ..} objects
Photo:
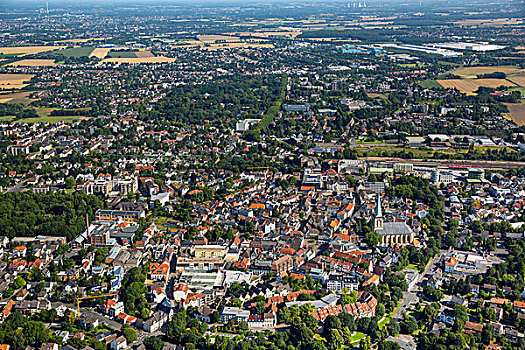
[
  {"x": 144, "y": 54},
  {"x": 17, "y": 97},
  {"x": 468, "y": 86},
  {"x": 50, "y": 119},
  {"x": 267, "y": 34},
  {"x": 80, "y": 41},
  {"x": 188, "y": 44},
  {"x": 497, "y": 22},
  {"x": 32, "y": 63},
  {"x": 215, "y": 38},
  {"x": 27, "y": 50},
  {"x": 122, "y": 54},
  {"x": 518, "y": 79},
  {"x": 6, "y": 118},
  {"x": 14, "y": 81},
  {"x": 138, "y": 60},
  {"x": 376, "y": 95},
  {"x": 473, "y": 72},
  {"x": 81, "y": 51},
  {"x": 100, "y": 52},
  {"x": 237, "y": 45},
  {"x": 517, "y": 112}
]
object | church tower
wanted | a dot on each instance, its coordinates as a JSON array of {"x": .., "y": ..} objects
[{"x": 378, "y": 215}]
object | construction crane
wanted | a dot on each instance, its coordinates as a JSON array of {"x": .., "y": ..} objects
[{"x": 91, "y": 297}]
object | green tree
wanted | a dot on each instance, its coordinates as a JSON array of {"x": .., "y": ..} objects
[
  {"x": 130, "y": 334},
  {"x": 335, "y": 339},
  {"x": 153, "y": 343},
  {"x": 70, "y": 183},
  {"x": 372, "y": 238},
  {"x": 380, "y": 310}
]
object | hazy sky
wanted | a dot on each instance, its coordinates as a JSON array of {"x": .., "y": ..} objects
[{"x": 121, "y": 2}]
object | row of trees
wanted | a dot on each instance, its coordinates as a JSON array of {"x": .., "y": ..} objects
[{"x": 133, "y": 292}]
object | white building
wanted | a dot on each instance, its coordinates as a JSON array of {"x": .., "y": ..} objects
[{"x": 244, "y": 125}]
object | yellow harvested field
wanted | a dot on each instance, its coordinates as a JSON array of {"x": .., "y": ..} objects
[
  {"x": 237, "y": 45},
  {"x": 517, "y": 112},
  {"x": 32, "y": 63},
  {"x": 144, "y": 54},
  {"x": 4, "y": 100},
  {"x": 468, "y": 86},
  {"x": 21, "y": 94},
  {"x": 100, "y": 52},
  {"x": 283, "y": 33},
  {"x": 14, "y": 81},
  {"x": 138, "y": 60},
  {"x": 82, "y": 40},
  {"x": 28, "y": 50},
  {"x": 490, "y": 22},
  {"x": 472, "y": 72},
  {"x": 214, "y": 38},
  {"x": 518, "y": 79}
]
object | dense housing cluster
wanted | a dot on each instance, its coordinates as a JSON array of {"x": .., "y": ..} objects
[{"x": 312, "y": 176}]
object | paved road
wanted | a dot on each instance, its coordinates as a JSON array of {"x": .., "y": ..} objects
[
  {"x": 17, "y": 187},
  {"x": 410, "y": 298}
]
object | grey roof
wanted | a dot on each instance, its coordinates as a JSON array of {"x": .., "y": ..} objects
[{"x": 395, "y": 228}]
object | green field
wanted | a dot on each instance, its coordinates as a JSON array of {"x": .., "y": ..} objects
[
  {"x": 357, "y": 337},
  {"x": 429, "y": 84},
  {"x": 122, "y": 54},
  {"x": 520, "y": 89},
  {"x": 21, "y": 100},
  {"x": 6, "y": 118},
  {"x": 77, "y": 52},
  {"x": 67, "y": 119}
]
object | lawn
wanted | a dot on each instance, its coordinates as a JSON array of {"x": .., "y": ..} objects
[
  {"x": 77, "y": 51},
  {"x": 387, "y": 319},
  {"x": 7, "y": 118},
  {"x": 357, "y": 337},
  {"x": 407, "y": 65},
  {"x": 412, "y": 266}
]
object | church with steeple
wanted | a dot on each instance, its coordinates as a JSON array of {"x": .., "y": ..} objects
[{"x": 391, "y": 232}]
